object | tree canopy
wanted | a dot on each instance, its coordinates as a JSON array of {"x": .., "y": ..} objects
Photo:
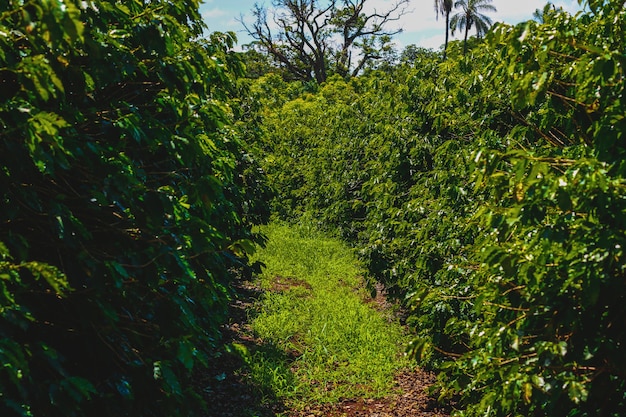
[
  {"x": 315, "y": 38},
  {"x": 472, "y": 15}
]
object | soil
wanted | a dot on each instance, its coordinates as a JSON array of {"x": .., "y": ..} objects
[
  {"x": 229, "y": 392},
  {"x": 226, "y": 386}
]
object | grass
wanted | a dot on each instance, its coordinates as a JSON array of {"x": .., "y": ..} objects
[{"x": 321, "y": 341}]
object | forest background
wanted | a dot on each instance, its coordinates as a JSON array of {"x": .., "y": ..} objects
[{"x": 419, "y": 25}]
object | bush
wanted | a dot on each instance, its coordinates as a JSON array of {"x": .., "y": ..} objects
[
  {"x": 127, "y": 198},
  {"x": 488, "y": 193}
]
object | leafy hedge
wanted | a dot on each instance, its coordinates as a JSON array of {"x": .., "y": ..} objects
[
  {"x": 549, "y": 291},
  {"x": 127, "y": 195},
  {"x": 488, "y": 193}
]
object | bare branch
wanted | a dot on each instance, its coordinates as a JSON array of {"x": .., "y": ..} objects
[{"x": 315, "y": 37}]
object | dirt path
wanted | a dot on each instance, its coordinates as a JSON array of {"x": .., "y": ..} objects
[
  {"x": 229, "y": 392},
  {"x": 413, "y": 401}
]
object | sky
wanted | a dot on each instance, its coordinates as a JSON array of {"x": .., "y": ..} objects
[{"x": 420, "y": 25}]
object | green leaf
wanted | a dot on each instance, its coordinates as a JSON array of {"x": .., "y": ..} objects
[
  {"x": 51, "y": 274},
  {"x": 170, "y": 379},
  {"x": 186, "y": 353},
  {"x": 243, "y": 248},
  {"x": 577, "y": 392}
]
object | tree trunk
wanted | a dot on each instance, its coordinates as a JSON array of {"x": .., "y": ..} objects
[
  {"x": 467, "y": 28},
  {"x": 445, "y": 45}
]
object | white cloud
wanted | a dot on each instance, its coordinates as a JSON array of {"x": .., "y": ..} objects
[
  {"x": 208, "y": 14},
  {"x": 434, "y": 42},
  {"x": 512, "y": 11}
]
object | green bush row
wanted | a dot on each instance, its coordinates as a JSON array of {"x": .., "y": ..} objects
[
  {"x": 126, "y": 198},
  {"x": 488, "y": 193}
]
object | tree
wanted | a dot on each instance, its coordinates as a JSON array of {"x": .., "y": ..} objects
[
  {"x": 258, "y": 63},
  {"x": 315, "y": 38},
  {"x": 444, "y": 8},
  {"x": 471, "y": 14},
  {"x": 413, "y": 53}
]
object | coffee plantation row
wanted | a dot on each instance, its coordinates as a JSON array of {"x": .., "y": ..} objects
[
  {"x": 128, "y": 194},
  {"x": 486, "y": 192}
]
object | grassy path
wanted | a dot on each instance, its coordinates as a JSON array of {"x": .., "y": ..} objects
[{"x": 321, "y": 341}]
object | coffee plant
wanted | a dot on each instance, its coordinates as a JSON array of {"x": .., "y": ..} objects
[
  {"x": 127, "y": 195},
  {"x": 487, "y": 192}
]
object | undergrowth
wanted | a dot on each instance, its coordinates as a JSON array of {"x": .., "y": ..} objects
[{"x": 322, "y": 340}]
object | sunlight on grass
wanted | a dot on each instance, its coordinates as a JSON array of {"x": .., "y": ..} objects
[{"x": 333, "y": 344}]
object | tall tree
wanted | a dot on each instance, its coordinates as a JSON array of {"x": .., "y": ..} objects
[
  {"x": 444, "y": 8},
  {"x": 312, "y": 38},
  {"x": 472, "y": 15}
]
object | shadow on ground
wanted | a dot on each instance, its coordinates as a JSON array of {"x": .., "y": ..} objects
[{"x": 226, "y": 386}]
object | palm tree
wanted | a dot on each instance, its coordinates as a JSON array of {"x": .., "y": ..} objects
[
  {"x": 471, "y": 14},
  {"x": 444, "y": 8}
]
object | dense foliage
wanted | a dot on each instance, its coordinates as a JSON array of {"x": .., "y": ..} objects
[
  {"x": 126, "y": 197},
  {"x": 488, "y": 192}
]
